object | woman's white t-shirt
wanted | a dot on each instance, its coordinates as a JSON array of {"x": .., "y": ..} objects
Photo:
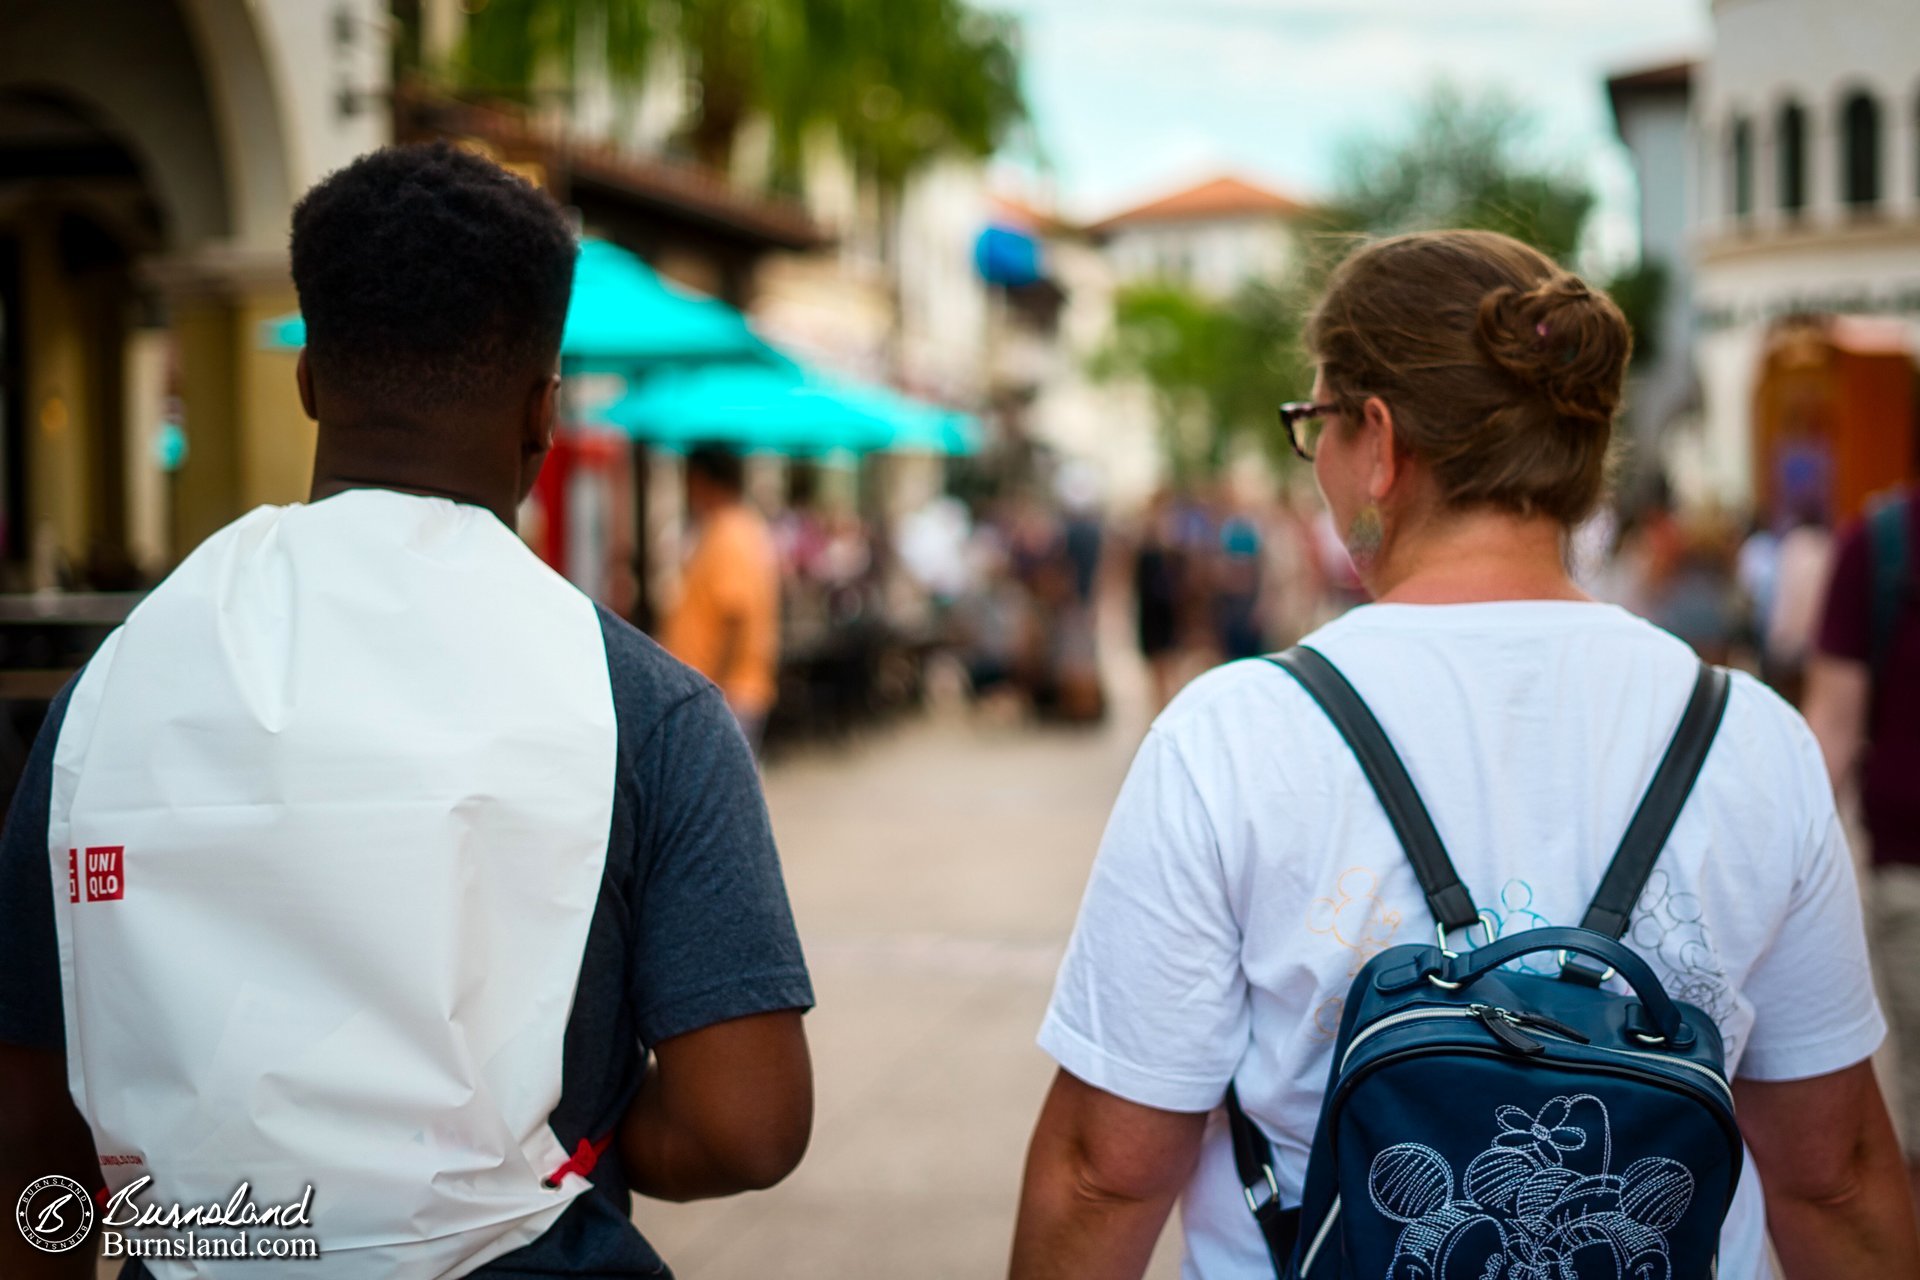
[{"x": 1248, "y": 872}]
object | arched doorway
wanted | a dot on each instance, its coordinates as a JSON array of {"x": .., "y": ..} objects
[
  {"x": 77, "y": 214},
  {"x": 145, "y": 168},
  {"x": 112, "y": 163}
]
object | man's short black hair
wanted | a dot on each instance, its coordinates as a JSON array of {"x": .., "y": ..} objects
[
  {"x": 430, "y": 276},
  {"x": 720, "y": 465}
]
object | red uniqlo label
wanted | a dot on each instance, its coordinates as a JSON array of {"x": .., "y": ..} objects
[
  {"x": 106, "y": 873},
  {"x": 73, "y": 875}
]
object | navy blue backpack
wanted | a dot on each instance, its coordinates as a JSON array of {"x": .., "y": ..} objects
[{"x": 1485, "y": 1124}]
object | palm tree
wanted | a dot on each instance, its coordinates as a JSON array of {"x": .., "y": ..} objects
[
  {"x": 899, "y": 87},
  {"x": 509, "y": 43}
]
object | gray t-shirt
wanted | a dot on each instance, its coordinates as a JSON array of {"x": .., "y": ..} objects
[{"x": 691, "y": 928}]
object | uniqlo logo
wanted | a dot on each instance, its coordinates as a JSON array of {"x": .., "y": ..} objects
[
  {"x": 106, "y": 873},
  {"x": 73, "y": 875}
]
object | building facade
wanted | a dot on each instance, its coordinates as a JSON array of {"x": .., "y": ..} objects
[
  {"x": 152, "y": 154},
  {"x": 1806, "y": 198},
  {"x": 153, "y": 151},
  {"x": 1651, "y": 112},
  {"x": 1211, "y": 238},
  {"x": 1045, "y": 339}
]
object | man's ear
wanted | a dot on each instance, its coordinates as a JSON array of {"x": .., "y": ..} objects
[
  {"x": 303, "y": 375},
  {"x": 536, "y": 431},
  {"x": 1383, "y": 455},
  {"x": 543, "y": 415}
]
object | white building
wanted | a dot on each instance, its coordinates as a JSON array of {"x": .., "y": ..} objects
[
  {"x": 1806, "y": 126},
  {"x": 1043, "y": 346},
  {"x": 1651, "y": 111},
  {"x": 1211, "y": 238}
]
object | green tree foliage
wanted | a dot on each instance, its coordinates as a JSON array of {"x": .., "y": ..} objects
[
  {"x": 900, "y": 83},
  {"x": 1218, "y": 369},
  {"x": 1472, "y": 162},
  {"x": 1466, "y": 162},
  {"x": 1641, "y": 292},
  {"x": 509, "y": 43}
]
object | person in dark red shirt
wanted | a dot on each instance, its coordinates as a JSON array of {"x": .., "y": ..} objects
[{"x": 1863, "y": 701}]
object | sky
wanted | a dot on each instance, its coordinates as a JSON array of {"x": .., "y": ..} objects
[{"x": 1133, "y": 98}]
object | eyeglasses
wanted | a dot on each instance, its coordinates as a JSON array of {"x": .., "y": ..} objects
[{"x": 1304, "y": 421}]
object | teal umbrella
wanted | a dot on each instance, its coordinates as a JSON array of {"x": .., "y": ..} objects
[
  {"x": 755, "y": 408},
  {"x": 918, "y": 427},
  {"x": 787, "y": 410},
  {"x": 622, "y": 316},
  {"x": 284, "y": 333}
]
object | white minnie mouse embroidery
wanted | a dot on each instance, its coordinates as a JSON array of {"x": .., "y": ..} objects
[
  {"x": 1541, "y": 1203},
  {"x": 1670, "y": 926}
]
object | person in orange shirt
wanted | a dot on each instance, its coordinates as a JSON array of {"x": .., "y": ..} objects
[{"x": 727, "y": 622}]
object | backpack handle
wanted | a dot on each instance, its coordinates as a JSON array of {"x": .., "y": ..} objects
[{"x": 1470, "y": 966}]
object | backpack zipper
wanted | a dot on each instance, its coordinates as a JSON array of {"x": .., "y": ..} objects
[
  {"x": 1320, "y": 1237},
  {"x": 1495, "y": 1013}
]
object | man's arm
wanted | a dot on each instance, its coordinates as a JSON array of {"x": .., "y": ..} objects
[
  {"x": 1102, "y": 1176},
  {"x": 1838, "y": 694},
  {"x": 725, "y": 1109},
  {"x": 1836, "y": 1188},
  {"x": 40, "y": 1133},
  {"x": 716, "y": 978}
]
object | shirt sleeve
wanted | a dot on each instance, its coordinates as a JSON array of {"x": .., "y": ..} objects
[
  {"x": 30, "y": 1011},
  {"x": 1846, "y": 620},
  {"x": 1812, "y": 989},
  {"x": 1151, "y": 1002},
  {"x": 713, "y": 933}
]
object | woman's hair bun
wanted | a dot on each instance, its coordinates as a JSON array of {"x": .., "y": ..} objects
[
  {"x": 1563, "y": 342},
  {"x": 1502, "y": 369}
]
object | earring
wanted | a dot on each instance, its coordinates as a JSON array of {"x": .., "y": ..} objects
[{"x": 1366, "y": 535}]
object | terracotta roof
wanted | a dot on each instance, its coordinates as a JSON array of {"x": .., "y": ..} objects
[
  {"x": 1018, "y": 212},
  {"x": 1226, "y": 197}
]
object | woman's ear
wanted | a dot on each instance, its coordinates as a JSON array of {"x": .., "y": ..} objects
[{"x": 1383, "y": 457}]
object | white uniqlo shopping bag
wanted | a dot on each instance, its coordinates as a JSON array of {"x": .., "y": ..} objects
[{"x": 335, "y": 804}]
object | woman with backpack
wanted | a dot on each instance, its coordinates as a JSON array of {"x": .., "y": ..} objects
[{"x": 1252, "y": 886}]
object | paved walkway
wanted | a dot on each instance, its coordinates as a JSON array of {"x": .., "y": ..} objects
[{"x": 935, "y": 872}]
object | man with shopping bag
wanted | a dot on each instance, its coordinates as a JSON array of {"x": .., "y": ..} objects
[{"x": 371, "y": 873}]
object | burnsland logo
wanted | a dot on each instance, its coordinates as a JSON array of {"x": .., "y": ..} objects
[
  {"x": 238, "y": 1211},
  {"x": 239, "y": 1228},
  {"x": 54, "y": 1213}
]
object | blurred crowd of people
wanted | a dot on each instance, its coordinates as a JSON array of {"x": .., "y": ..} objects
[
  {"x": 1015, "y": 585},
  {"x": 1021, "y": 584},
  {"x": 1747, "y": 595}
]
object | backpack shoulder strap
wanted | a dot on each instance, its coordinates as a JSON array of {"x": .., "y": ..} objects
[
  {"x": 1253, "y": 1161},
  {"x": 1888, "y": 553},
  {"x": 1653, "y": 821},
  {"x": 1447, "y": 898}
]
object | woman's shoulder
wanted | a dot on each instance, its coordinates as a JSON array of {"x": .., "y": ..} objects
[
  {"x": 1772, "y": 748},
  {"x": 1226, "y": 697}
]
